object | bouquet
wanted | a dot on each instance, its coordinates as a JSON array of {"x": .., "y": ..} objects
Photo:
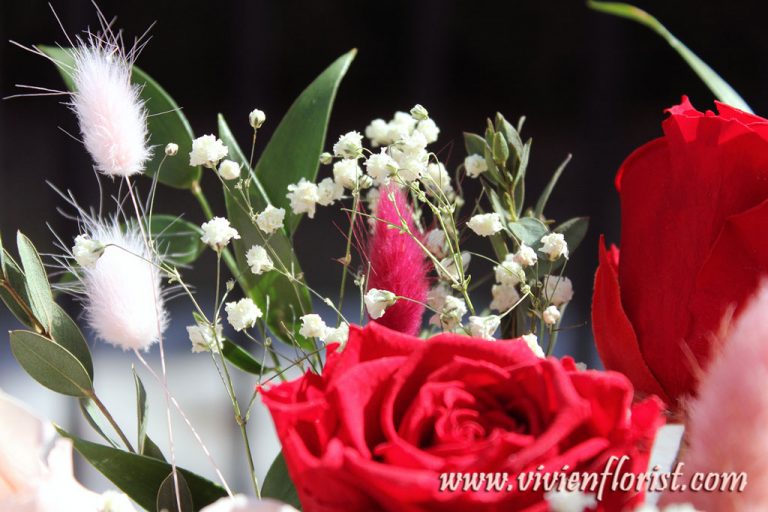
[{"x": 429, "y": 381}]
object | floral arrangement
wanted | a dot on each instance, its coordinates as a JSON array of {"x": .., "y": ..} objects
[{"x": 441, "y": 391}]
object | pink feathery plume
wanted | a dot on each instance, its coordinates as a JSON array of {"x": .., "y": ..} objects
[
  {"x": 726, "y": 426},
  {"x": 398, "y": 263}
]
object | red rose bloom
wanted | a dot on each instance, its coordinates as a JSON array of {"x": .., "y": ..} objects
[
  {"x": 694, "y": 216},
  {"x": 391, "y": 412}
]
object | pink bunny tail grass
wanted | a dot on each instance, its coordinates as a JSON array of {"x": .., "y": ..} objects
[
  {"x": 398, "y": 263},
  {"x": 726, "y": 426}
]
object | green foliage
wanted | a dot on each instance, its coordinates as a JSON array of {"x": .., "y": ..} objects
[
  {"x": 241, "y": 358},
  {"x": 166, "y": 496},
  {"x": 278, "y": 483}
]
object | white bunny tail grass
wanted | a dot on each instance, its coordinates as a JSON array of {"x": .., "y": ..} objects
[{"x": 124, "y": 301}]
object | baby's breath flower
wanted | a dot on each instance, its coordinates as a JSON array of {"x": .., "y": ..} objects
[
  {"x": 229, "y": 170},
  {"x": 329, "y": 191},
  {"x": 258, "y": 260},
  {"x": 413, "y": 144},
  {"x": 350, "y": 145},
  {"x": 486, "y": 224},
  {"x": 377, "y": 302},
  {"x": 451, "y": 314},
  {"x": 419, "y": 113},
  {"x": 207, "y": 151},
  {"x": 378, "y": 133},
  {"x": 204, "y": 338},
  {"x": 558, "y": 290},
  {"x": 171, "y": 149},
  {"x": 113, "y": 501},
  {"x": 87, "y": 251},
  {"x": 242, "y": 314},
  {"x": 554, "y": 246},
  {"x": 509, "y": 272},
  {"x": 504, "y": 297},
  {"x": 256, "y": 118},
  {"x": 436, "y": 180},
  {"x": 402, "y": 124},
  {"x": 326, "y": 158},
  {"x": 475, "y": 165},
  {"x": 551, "y": 315},
  {"x": 271, "y": 219},
  {"x": 533, "y": 343},
  {"x": 347, "y": 173},
  {"x": 304, "y": 197},
  {"x": 217, "y": 233},
  {"x": 435, "y": 242},
  {"x": 525, "y": 256},
  {"x": 312, "y": 326},
  {"x": 380, "y": 167},
  {"x": 338, "y": 335},
  {"x": 410, "y": 167},
  {"x": 483, "y": 326},
  {"x": 436, "y": 296},
  {"x": 449, "y": 264},
  {"x": 429, "y": 129}
]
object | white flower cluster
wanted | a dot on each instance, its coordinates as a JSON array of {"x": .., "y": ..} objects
[
  {"x": 313, "y": 326},
  {"x": 207, "y": 151},
  {"x": 242, "y": 314},
  {"x": 377, "y": 302},
  {"x": 204, "y": 338},
  {"x": 217, "y": 233}
]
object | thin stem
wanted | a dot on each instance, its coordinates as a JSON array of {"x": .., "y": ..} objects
[
  {"x": 111, "y": 421},
  {"x": 348, "y": 252}
]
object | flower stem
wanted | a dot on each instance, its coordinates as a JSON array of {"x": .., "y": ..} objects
[{"x": 111, "y": 421}]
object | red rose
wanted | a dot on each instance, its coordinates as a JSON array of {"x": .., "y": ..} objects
[
  {"x": 693, "y": 246},
  {"x": 392, "y": 412}
]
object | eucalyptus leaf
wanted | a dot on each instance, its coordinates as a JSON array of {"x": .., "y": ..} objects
[
  {"x": 719, "y": 87},
  {"x": 36, "y": 280},
  {"x": 241, "y": 358},
  {"x": 294, "y": 150},
  {"x": 474, "y": 144},
  {"x": 529, "y": 231},
  {"x": 139, "y": 476},
  {"x": 97, "y": 421},
  {"x": 50, "y": 364},
  {"x": 544, "y": 198},
  {"x": 142, "y": 410},
  {"x": 166, "y": 495},
  {"x": 165, "y": 122},
  {"x": 278, "y": 484},
  {"x": 14, "y": 278},
  {"x": 66, "y": 333},
  {"x": 573, "y": 230}
]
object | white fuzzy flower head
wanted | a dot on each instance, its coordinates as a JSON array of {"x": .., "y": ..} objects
[
  {"x": 87, "y": 251},
  {"x": 229, "y": 170},
  {"x": 533, "y": 343},
  {"x": 429, "y": 129},
  {"x": 380, "y": 167},
  {"x": 111, "y": 115},
  {"x": 475, "y": 165},
  {"x": 504, "y": 297},
  {"x": 551, "y": 315},
  {"x": 347, "y": 173},
  {"x": 171, "y": 149},
  {"x": 435, "y": 242},
  {"x": 451, "y": 314},
  {"x": 204, "y": 338},
  {"x": 377, "y": 302},
  {"x": 256, "y": 118},
  {"x": 329, "y": 191},
  {"x": 554, "y": 246},
  {"x": 349, "y": 145},
  {"x": 558, "y": 290},
  {"x": 258, "y": 260},
  {"x": 241, "y": 503},
  {"x": 242, "y": 314},
  {"x": 338, "y": 335},
  {"x": 207, "y": 151},
  {"x": 378, "y": 133},
  {"x": 436, "y": 180},
  {"x": 304, "y": 197},
  {"x": 419, "y": 113},
  {"x": 509, "y": 272},
  {"x": 312, "y": 326},
  {"x": 570, "y": 501},
  {"x": 123, "y": 298},
  {"x": 486, "y": 224},
  {"x": 483, "y": 326},
  {"x": 525, "y": 256},
  {"x": 271, "y": 219},
  {"x": 217, "y": 233},
  {"x": 113, "y": 501}
]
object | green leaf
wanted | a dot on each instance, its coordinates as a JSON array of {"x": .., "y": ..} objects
[
  {"x": 177, "y": 240},
  {"x": 166, "y": 496},
  {"x": 165, "y": 122},
  {"x": 97, "y": 421},
  {"x": 140, "y": 477},
  {"x": 66, "y": 333},
  {"x": 529, "y": 231},
  {"x": 294, "y": 150},
  {"x": 474, "y": 144},
  {"x": 287, "y": 301},
  {"x": 278, "y": 484},
  {"x": 719, "y": 87},
  {"x": 544, "y": 198},
  {"x": 142, "y": 410},
  {"x": 50, "y": 364},
  {"x": 15, "y": 280},
  {"x": 241, "y": 358},
  {"x": 150, "y": 449},
  {"x": 36, "y": 280},
  {"x": 574, "y": 231}
]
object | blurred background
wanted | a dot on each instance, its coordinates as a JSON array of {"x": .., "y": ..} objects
[{"x": 589, "y": 84}]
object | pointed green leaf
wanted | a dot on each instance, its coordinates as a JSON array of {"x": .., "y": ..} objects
[
  {"x": 177, "y": 240},
  {"x": 719, "y": 87},
  {"x": 142, "y": 410},
  {"x": 140, "y": 477},
  {"x": 294, "y": 150},
  {"x": 278, "y": 484},
  {"x": 165, "y": 123},
  {"x": 166, "y": 496},
  {"x": 474, "y": 144},
  {"x": 50, "y": 364},
  {"x": 66, "y": 333},
  {"x": 574, "y": 231},
  {"x": 15, "y": 280},
  {"x": 97, "y": 421},
  {"x": 241, "y": 358},
  {"x": 529, "y": 231},
  {"x": 36, "y": 280},
  {"x": 150, "y": 449},
  {"x": 544, "y": 198}
]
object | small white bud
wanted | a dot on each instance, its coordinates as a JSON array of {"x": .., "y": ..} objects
[
  {"x": 258, "y": 260},
  {"x": 484, "y": 326},
  {"x": 347, "y": 173},
  {"x": 304, "y": 197},
  {"x": 350, "y": 145},
  {"x": 204, "y": 338},
  {"x": 256, "y": 118},
  {"x": 554, "y": 246},
  {"x": 419, "y": 113},
  {"x": 533, "y": 343},
  {"x": 525, "y": 256},
  {"x": 171, "y": 149},
  {"x": 271, "y": 219},
  {"x": 338, "y": 335},
  {"x": 509, "y": 272},
  {"x": 377, "y": 302},
  {"x": 486, "y": 224},
  {"x": 557, "y": 290},
  {"x": 207, "y": 151},
  {"x": 312, "y": 326},
  {"x": 551, "y": 315},
  {"x": 217, "y": 233},
  {"x": 242, "y": 314},
  {"x": 87, "y": 251},
  {"x": 326, "y": 158},
  {"x": 475, "y": 165},
  {"x": 229, "y": 170}
]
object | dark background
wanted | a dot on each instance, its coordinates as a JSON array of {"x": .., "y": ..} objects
[{"x": 589, "y": 84}]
